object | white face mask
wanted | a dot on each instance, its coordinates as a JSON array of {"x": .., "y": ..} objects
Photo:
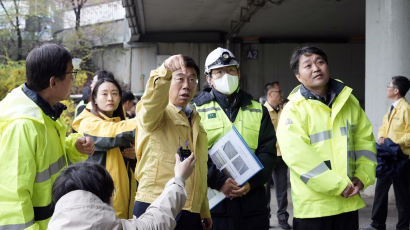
[{"x": 226, "y": 84}]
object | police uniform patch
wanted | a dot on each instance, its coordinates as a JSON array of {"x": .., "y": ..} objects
[{"x": 211, "y": 115}]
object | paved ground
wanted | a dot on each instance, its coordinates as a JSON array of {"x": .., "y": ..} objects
[{"x": 364, "y": 214}]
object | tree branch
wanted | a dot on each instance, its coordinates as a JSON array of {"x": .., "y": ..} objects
[{"x": 7, "y": 14}]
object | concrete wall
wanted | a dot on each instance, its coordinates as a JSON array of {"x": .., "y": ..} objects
[
  {"x": 387, "y": 55},
  {"x": 346, "y": 62},
  {"x": 132, "y": 65}
]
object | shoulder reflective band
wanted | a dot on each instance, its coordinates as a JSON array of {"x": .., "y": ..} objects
[
  {"x": 321, "y": 168},
  {"x": 321, "y": 136},
  {"x": 208, "y": 109},
  {"x": 252, "y": 110}
]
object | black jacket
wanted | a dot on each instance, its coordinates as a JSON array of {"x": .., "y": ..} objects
[
  {"x": 390, "y": 159},
  {"x": 255, "y": 202}
]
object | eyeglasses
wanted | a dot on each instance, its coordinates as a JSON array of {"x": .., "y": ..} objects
[
  {"x": 218, "y": 73},
  {"x": 74, "y": 73},
  {"x": 276, "y": 91},
  {"x": 391, "y": 87}
]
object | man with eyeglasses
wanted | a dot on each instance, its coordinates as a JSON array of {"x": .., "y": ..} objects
[
  {"x": 166, "y": 123},
  {"x": 222, "y": 106},
  {"x": 393, "y": 143},
  {"x": 274, "y": 104},
  {"x": 33, "y": 144}
]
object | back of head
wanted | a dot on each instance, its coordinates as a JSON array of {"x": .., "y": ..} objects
[
  {"x": 86, "y": 94},
  {"x": 218, "y": 58},
  {"x": 44, "y": 62},
  {"x": 127, "y": 96},
  {"x": 306, "y": 50},
  {"x": 402, "y": 83},
  {"x": 84, "y": 176},
  {"x": 104, "y": 74}
]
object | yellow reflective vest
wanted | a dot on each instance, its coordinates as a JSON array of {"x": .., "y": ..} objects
[
  {"x": 274, "y": 116},
  {"x": 162, "y": 128},
  {"x": 324, "y": 147},
  {"x": 217, "y": 124},
  {"x": 397, "y": 126},
  {"x": 33, "y": 151},
  {"x": 109, "y": 134}
]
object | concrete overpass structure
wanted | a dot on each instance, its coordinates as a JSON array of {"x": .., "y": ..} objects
[{"x": 367, "y": 41}]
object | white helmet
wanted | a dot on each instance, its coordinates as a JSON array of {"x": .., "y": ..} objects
[{"x": 218, "y": 58}]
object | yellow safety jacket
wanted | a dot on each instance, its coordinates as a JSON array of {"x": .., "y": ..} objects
[
  {"x": 33, "y": 151},
  {"x": 109, "y": 134},
  {"x": 217, "y": 124},
  {"x": 162, "y": 128},
  {"x": 274, "y": 116},
  {"x": 397, "y": 126},
  {"x": 324, "y": 147}
]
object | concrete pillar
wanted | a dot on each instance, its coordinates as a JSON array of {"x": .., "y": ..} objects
[{"x": 387, "y": 52}]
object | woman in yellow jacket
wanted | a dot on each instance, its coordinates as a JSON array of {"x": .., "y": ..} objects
[{"x": 113, "y": 137}]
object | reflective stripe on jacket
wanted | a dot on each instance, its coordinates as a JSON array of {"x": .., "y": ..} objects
[
  {"x": 33, "y": 151},
  {"x": 322, "y": 146},
  {"x": 216, "y": 123},
  {"x": 109, "y": 134},
  {"x": 397, "y": 126},
  {"x": 162, "y": 128}
]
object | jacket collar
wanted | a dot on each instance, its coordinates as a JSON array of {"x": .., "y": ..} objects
[
  {"x": 270, "y": 108},
  {"x": 54, "y": 112},
  {"x": 333, "y": 90},
  {"x": 239, "y": 98}
]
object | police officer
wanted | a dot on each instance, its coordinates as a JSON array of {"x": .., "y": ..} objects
[{"x": 221, "y": 106}]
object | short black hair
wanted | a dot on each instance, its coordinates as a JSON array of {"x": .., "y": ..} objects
[
  {"x": 269, "y": 86},
  {"x": 402, "y": 83},
  {"x": 44, "y": 62},
  {"x": 189, "y": 62},
  {"x": 104, "y": 74},
  {"x": 306, "y": 50},
  {"x": 119, "y": 112},
  {"x": 85, "y": 176},
  {"x": 127, "y": 96},
  {"x": 86, "y": 94}
]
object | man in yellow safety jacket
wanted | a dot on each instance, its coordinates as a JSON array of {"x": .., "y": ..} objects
[
  {"x": 166, "y": 121},
  {"x": 33, "y": 144},
  {"x": 396, "y": 127},
  {"x": 274, "y": 105},
  {"x": 327, "y": 142}
]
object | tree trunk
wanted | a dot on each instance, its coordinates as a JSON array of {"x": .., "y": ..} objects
[
  {"x": 77, "y": 17},
  {"x": 19, "y": 40}
]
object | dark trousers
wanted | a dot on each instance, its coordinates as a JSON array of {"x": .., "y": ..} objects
[
  {"x": 184, "y": 219},
  {"x": 344, "y": 221},
  {"x": 400, "y": 183},
  {"x": 280, "y": 181},
  {"x": 260, "y": 222}
]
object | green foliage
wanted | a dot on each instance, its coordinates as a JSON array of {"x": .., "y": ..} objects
[
  {"x": 68, "y": 114},
  {"x": 12, "y": 74}
]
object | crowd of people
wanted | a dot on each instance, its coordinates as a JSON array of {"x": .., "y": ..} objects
[{"x": 122, "y": 166}]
